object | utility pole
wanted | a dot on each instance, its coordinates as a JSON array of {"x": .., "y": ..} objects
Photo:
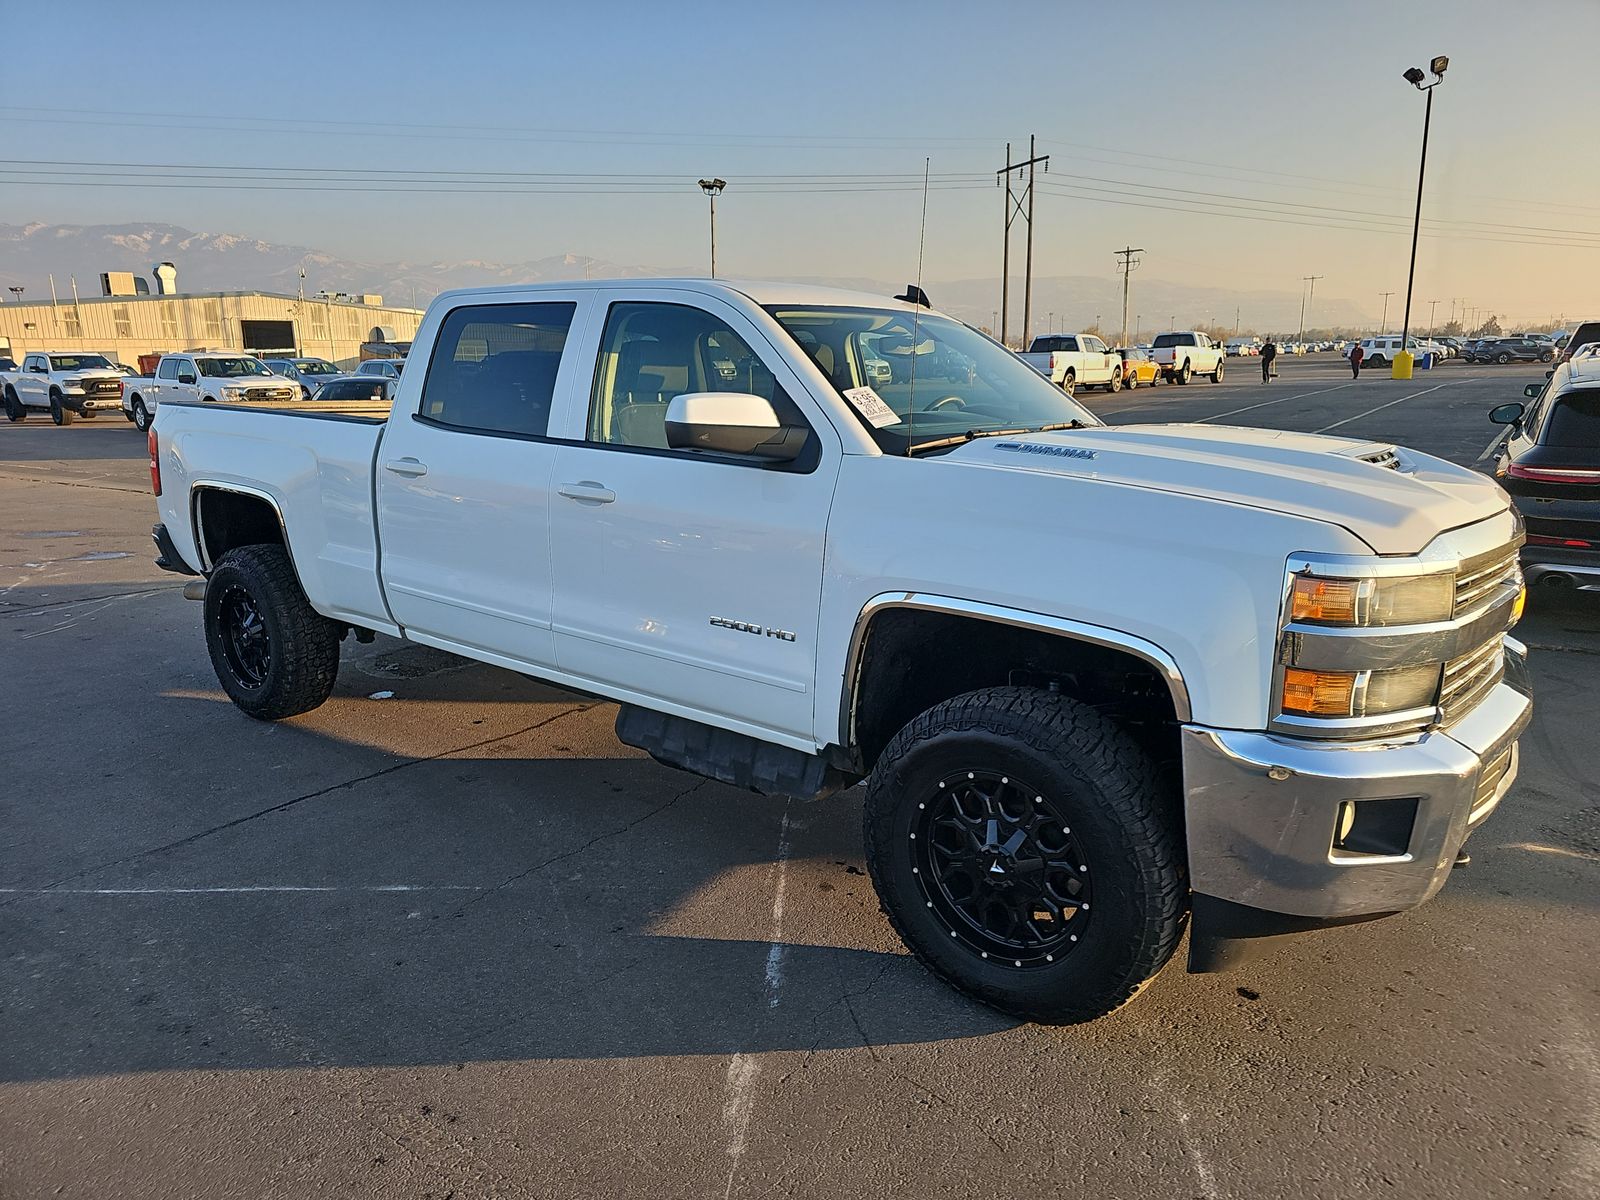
[
  {"x": 1236, "y": 320},
  {"x": 1015, "y": 206},
  {"x": 1305, "y": 303},
  {"x": 713, "y": 187},
  {"x": 1433, "y": 309},
  {"x": 1383, "y": 325}
]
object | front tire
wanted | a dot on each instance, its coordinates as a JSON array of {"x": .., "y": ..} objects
[
  {"x": 14, "y": 409},
  {"x": 59, "y": 412},
  {"x": 986, "y": 819},
  {"x": 274, "y": 654},
  {"x": 1502, "y": 358}
]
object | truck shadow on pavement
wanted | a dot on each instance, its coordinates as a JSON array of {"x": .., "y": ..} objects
[{"x": 309, "y": 901}]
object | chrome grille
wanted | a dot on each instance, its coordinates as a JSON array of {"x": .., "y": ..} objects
[
  {"x": 1479, "y": 576},
  {"x": 1471, "y": 677}
]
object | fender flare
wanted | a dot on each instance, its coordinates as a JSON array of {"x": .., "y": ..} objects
[{"x": 1097, "y": 635}]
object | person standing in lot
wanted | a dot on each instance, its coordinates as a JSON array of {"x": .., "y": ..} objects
[
  {"x": 1269, "y": 355},
  {"x": 1356, "y": 355}
]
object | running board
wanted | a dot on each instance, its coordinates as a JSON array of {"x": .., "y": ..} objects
[{"x": 729, "y": 757}]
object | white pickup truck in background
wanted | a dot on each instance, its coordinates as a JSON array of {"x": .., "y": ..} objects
[
  {"x": 1075, "y": 360},
  {"x": 1268, "y": 687},
  {"x": 1181, "y": 356},
  {"x": 213, "y": 376},
  {"x": 63, "y": 383}
]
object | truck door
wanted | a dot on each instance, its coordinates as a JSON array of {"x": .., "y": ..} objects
[
  {"x": 690, "y": 579},
  {"x": 463, "y": 477},
  {"x": 33, "y": 383},
  {"x": 184, "y": 381}
]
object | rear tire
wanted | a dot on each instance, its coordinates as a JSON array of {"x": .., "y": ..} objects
[
  {"x": 1186, "y": 372},
  {"x": 1216, "y": 376},
  {"x": 1132, "y": 382},
  {"x": 1502, "y": 358},
  {"x": 1062, "y": 792},
  {"x": 1069, "y": 382},
  {"x": 1116, "y": 382},
  {"x": 14, "y": 409},
  {"x": 274, "y": 654},
  {"x": 141, "y": 415},
  {"x": 59, "y": 412}
]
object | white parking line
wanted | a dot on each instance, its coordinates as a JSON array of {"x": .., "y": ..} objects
[
  {"x": 1381, "y": 407},
  {"x": 1280, "y": 400},
  {"x": 1494, "y": 444}
]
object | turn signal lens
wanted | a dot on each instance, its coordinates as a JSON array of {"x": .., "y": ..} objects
[
  {"x": 1328, "y": 601},
  {"x": 1319, "y": 693},
  {"x": 1521, "y": 603}
]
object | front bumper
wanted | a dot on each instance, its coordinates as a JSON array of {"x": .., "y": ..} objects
[{"x": 1263, "y": 814}]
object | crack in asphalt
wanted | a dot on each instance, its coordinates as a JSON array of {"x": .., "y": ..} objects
[
  {"x": 98, "y": 487},
  {"x": 590, "y": 844},
  {"x": 291, "y": 803},
  {"x": 9, "y": 608}
]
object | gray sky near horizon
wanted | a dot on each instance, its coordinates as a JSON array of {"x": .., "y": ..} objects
[{"x": 1242, "y": 144}]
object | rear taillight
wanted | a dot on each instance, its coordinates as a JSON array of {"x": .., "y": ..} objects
[
  {"x": 1554, "y": 474},
  {"x": 121, "y": 387},
  {"x": 1539, "y": 539},
  {"x": 155, "y": 462}
]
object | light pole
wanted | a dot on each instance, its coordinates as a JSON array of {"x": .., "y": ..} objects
[
  {"x": 16, "y": 291},
  {"x": 713, "y": 188},
  {"x": 1414, "y": 76}
]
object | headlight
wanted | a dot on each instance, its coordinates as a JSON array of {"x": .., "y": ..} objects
[
  {"x": 1400, "y": 600},
  {"x": 1309, "y": 693}
]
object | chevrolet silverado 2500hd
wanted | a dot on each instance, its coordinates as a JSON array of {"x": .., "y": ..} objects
[
  {"x": 1102, "y": 683},
  {"x": 64, "y": 383}
]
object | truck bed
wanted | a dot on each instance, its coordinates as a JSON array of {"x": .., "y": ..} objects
[{"x": 314, "y": 463}]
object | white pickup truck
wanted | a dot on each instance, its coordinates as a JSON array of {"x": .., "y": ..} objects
[
  {"x": 212, "y": 376},
  {"x": 1181, "y": 356},
  {"x": 1074, "y": 360},
  {"x": 1102, "y": 683},
  {"x": 64, "y": 383}
]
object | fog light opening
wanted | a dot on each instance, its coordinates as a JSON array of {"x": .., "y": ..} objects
[{"x": 1374, "y": 828}]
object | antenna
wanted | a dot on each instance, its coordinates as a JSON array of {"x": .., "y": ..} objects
[{"x": 921, "y": 299}]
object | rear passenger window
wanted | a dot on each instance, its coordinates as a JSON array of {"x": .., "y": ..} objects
[
  {"x": 494, "y": 367},
  {"x": 1573, "y": 422},
  {"x": 653, "y": 352}
]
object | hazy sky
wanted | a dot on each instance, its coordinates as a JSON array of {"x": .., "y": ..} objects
[{"x": 1242, "y": 144}]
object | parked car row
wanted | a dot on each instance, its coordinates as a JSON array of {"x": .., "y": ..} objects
[{"x": 1520, "y": 348}]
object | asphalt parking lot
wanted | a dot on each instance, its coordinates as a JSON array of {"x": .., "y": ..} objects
[{"x": 445, "y": 936}]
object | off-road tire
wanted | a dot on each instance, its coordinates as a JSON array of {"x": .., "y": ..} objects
[
  {"x": 14, "y": 408},
  {"x": 141, "y": 415},
  {"x": 303, "y": 644},
  {"x": 59, "y": 412},
  {"x": 1111, "y": 794}
]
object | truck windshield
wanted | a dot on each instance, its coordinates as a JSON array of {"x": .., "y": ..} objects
[
  {"x": 914, "y": 380},
  {"x": 231, "y": 368},
  {"x": 78, "y": 362},
  {"x": 315, "y": 366}
]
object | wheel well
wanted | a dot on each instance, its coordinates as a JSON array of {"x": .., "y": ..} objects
[
  {"x": 898, "y": 677},
  {"x": 227, "y": 520}
]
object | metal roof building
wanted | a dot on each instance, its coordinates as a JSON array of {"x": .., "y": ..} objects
[{"x": 126, "y": 327}]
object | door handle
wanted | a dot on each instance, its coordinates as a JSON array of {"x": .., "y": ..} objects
[
  {"x": 405, "y": 466},
  {"x": 588, "y": 491}
]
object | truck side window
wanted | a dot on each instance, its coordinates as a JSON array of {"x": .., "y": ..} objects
[
  {"x": 494, "y": 367},
  {"x": 653, "y": 352},
  {"x": 168, "y": 369}
]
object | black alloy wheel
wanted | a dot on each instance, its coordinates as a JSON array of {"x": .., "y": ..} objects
[
  {"x": 246, "y": 645},
  {"x": 999, "y": 865}
]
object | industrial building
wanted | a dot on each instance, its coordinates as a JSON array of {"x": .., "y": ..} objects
[{"x": 134, "y": 324}]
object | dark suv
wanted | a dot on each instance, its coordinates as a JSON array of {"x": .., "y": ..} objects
[
  {"x": 1515, "y": 349},
  {"x": 1550, "y": 464}
]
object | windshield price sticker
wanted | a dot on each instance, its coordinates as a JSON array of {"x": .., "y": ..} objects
[{"x": 872, "y": 406}]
